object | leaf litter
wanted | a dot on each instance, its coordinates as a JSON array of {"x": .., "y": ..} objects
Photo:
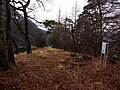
[{"x": 55, "y": 69}]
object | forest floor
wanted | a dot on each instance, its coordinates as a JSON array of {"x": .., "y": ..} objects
[{"x": 56, "y": 69}]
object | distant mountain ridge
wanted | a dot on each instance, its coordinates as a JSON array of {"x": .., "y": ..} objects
[{"x": 34, "y": 32}]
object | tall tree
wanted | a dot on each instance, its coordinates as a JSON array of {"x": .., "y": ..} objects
[
  {"x": 8, "y": 33},
  {"x": 91, "y": 29},
  {"x": 98, "y": 22},
  {"x": 23, "y": 8},
  {"x": 4, "y": 61},
  {"x": 112, "y": 18},
  {"x": 22, "y": 5},
  {"x": 75, "y": 12}
]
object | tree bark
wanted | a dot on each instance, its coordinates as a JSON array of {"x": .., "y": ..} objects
[
  {"x": 4, "y": 62},
  {"x": 8, "y": 34},
  {"x": 100, "y": 21},
  {"x": 27, "y": 41},
  {"x": 73, "y": 38}
]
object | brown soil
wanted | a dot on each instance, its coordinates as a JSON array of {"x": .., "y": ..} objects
[{"x": 55, "y": 69}]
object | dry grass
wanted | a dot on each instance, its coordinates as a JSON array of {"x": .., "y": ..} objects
[{"x": 54, "y": 69}]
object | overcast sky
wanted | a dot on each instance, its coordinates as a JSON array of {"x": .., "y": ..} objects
[{"x": 52, "y": 9}]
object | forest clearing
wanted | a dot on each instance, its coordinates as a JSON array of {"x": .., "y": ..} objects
[{"x": 55, "y": 69}]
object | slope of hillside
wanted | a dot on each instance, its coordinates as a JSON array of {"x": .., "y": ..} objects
[
  {"x": 34, "y": 31},
  {"x": 56, "y": 69}
]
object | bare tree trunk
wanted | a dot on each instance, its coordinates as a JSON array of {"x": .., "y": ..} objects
[
  {"x": 23, "y": 9},
  {"x": 4, "y": 62},
  {"x": 100, "y": 21},
  {"x": 73, "y": 38},
  {"x": 27, "y": 41},
  {"x": 8, "y": 34}
]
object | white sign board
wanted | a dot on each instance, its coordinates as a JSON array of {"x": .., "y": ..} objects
[
  {"x": 104, "y": 46},
  {"x": 104, "y": 54}
]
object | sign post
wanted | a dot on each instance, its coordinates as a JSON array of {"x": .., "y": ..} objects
[{"x": 104, "y": 54}]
